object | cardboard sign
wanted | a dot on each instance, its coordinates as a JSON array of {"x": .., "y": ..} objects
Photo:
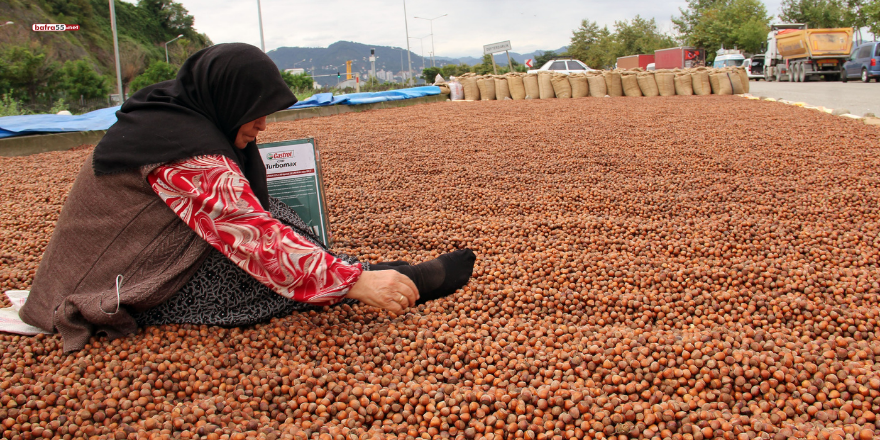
[{"x": 293, "y": 173}]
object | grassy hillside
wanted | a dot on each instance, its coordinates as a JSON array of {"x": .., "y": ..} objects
[{"x": 143, "y": 28}]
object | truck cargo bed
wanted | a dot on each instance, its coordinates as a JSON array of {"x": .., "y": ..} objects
[{"x": 815, "y": 43}]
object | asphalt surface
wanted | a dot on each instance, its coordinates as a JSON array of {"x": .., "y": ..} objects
[{"x": 857, "y": 97}]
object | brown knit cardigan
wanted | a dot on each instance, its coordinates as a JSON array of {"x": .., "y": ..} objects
[{"x": 110, "y": 225}]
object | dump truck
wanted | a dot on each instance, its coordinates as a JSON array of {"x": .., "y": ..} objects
[
  {"x": 679, "y": 58},
  {"x": 633, "y": 61},
  {"x": 798, "y": 54}
]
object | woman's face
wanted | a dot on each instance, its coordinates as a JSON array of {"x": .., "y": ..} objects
[{"x": 248, "y": 132}]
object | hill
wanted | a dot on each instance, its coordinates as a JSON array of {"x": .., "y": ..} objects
[{"x": 142, "y": 28}]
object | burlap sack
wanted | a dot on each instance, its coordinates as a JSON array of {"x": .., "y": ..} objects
[
  {"x": 735, "y": 82},
  {"x": 579, "y": 86},
  {"x": 471, "y": 90},
  {"x": 665, "y": 83},
  {"x": 700, "y": 82},
  {"x": 530, "y": 83},
  {"x": 502, "y": 91},
  {"x": 647, "y": 84},
  {"x": 630, "y": 83},
  {"x": 516, "y": 86},
  {"x": 596, "y": 84},
  {"x": 683, "y": 84},
  {"x": 613, "y": 84},
  {"x": 744, "y": 78},
  {"x": 720, "y": 83},
  {"x": 545, "y": 85},
  {"x": 444, "y": 89},
  {"x": 561, "y": 85},
  {"x": 487, "y": 88}
]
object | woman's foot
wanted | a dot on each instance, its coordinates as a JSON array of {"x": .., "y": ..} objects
[{"x": 441, "y": 276}]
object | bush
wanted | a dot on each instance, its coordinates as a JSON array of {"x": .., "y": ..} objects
[
  {"x": 157, "y": 72},
  {"x": 298, "y": 82},
  {"x": 79, "y": 79},
  {"x": 11, "y": 107}
]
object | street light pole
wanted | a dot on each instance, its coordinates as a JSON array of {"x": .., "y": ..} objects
[
  {"x": 260, "y": 16},
  {"x": 406, "y": 26},
  {"x": 422, "y": 42},
  {"x": 433, "y": 51},
  {"x": 166, "y": 46},
  {"x": 116, "y": 51}
]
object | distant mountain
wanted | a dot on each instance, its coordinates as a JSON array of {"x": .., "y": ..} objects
[
  {"x": 323, "y": 62},
  {"x": 327, "y": 61}
]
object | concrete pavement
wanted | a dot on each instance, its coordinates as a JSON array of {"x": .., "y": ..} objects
[{"x": 857, "y": 97}]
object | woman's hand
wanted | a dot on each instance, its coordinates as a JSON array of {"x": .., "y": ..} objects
[{"x": 386, "y": 289}]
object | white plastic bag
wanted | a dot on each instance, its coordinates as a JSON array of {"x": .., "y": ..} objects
[
  {"x": 456, "y": 91},
  {"x": 10, "y": 322}
]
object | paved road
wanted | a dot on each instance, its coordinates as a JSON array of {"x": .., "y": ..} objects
[{"x": 857, "y": 97}]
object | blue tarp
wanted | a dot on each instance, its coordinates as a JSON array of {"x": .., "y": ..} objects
[
  {"x": 322, "y": 99},
  {"x": 29, "y": 124},
  {"x": 104, "y": 118}
]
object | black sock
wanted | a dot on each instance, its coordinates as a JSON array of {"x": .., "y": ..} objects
[
  {"x": 441, "y": 276},
  {"x": 392, "y": 263}
]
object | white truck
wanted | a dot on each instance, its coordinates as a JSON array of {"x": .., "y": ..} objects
[{"x": 798, "y": 54}]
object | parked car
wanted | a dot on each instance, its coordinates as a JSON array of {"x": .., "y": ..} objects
[
  {"x": 562, "y": 66},
  {"x": 755, "y": 67},
  {"x": 864, "y": 63}
]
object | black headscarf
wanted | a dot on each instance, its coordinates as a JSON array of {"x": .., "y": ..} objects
[{"x": 217, "y": 90}]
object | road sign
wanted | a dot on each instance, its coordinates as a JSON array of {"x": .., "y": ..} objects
[
  {"x": 529, "y": 63},
  {"x": 492, "y": 49},
  {"x": 496, "y": 47}
]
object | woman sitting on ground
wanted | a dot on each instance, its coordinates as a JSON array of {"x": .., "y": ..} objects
[{"x": 170, "y": 220}]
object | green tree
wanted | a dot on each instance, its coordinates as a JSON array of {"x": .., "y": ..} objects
[
  {"x": 29, "y": 73},
  {"x": 484, "y": 68},
  {"x": 815, "y": 13},
  {"x": 871, "y": 16},
  {"x": 712, "y": 24},
  {"x": 300, "y": 81},
  {"x": 157, "y": 72},
  {"x": 585, "y": 42},
  {"x": 173, "y": 17},
  {"x": 430, "y": 73},
  {"x": 79, "y": 78},
  {"x": 543, "y": 57},
  {"x": 639, "y": 36},
  {"x": 455, "y": 70}
]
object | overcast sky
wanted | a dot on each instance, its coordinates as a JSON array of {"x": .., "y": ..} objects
[{"x": 529, "y": 25}]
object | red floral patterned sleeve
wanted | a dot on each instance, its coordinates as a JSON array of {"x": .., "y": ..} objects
[{"x": 212, "y": 196}]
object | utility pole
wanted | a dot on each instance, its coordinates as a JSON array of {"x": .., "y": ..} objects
[
  {"x": 116, "y": 51},
  {"x": 406, "y": 26},
  {"x": 260, "y": 15},
  {"x": 372, "y": 65}
]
